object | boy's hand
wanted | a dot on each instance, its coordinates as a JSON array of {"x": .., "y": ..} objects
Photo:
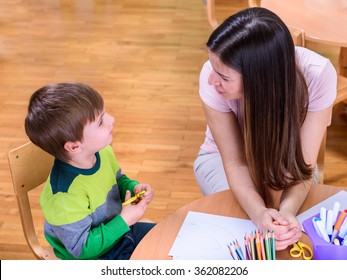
[
  {"x": 132, "y": 213},
  {"x": 149, "y": 192}
]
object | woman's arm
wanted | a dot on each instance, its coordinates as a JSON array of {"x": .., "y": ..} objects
[
  {"x": 228, "y": 137},
  {"x": 312, "y": 132}
]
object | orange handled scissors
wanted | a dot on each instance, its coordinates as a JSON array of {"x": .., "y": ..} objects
[{"x": 301, "y": 249}]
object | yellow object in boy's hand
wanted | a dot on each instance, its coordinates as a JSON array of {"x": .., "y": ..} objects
[{"x": 132, "y": 199}]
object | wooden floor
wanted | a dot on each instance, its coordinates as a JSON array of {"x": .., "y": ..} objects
[{"x": 144, "y": 57}]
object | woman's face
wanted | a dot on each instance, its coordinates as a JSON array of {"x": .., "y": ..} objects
[{"x": 225, "y": 80}]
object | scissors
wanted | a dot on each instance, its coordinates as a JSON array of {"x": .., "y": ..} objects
[
  {"x": 132, "y": 199},
  {"x": 299, "y": 249}
]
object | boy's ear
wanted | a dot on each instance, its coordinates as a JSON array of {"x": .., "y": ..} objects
[{"x": 73, "y": 147}]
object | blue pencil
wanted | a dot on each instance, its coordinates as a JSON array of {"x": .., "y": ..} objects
[
  {"x": 273, "y": 245},
  {"x": 239, "y": 250}
]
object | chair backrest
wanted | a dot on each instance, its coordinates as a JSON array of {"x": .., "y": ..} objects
[
  {"x": 30, "y": 167},
  {"x": 254, "y": 3},
  {"x": 298, "y": 35},
  {"x": 211, "y": 13}
]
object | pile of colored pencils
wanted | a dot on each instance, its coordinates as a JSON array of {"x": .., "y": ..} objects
[{"x": 258, "y": 246}]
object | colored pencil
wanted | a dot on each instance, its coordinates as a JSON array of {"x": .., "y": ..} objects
[{"x": 257, "y": 245}]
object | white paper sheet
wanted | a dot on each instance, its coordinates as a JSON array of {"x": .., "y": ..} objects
[{"x": 205, "y": 236}]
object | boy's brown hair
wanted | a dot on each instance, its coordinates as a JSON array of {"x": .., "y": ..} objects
[{"x": 57, "y": 113}]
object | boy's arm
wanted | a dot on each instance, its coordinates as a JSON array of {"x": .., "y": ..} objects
[
  {"x": 124, "y": 184},
  {"x": 104, "y": 237},
  {"x": 89, "y": 243}
]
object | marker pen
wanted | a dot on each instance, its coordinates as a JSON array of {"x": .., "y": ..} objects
[
  {"x": 316, "y": 228},
  {"x": 323, "y": 232},
  {"x": 338, "y": 224},
  {"x": 336, "y": 210},
  {"x": 343, "y": 229},
  {"x": 323, "y": 216},
  {"x": 336, "y": 242},
  {"x": 329, "y": 227}
]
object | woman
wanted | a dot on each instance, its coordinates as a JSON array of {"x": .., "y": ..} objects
[{"x": 267, "y": 106}]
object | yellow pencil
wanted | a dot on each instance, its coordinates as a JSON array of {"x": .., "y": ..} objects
[{"x": 258, "y": 246}]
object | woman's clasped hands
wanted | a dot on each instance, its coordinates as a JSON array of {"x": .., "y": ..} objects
[{"x": 286, "y": 227}]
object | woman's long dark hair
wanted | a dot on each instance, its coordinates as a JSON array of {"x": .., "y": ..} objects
[{"x": 256, "y": 43}]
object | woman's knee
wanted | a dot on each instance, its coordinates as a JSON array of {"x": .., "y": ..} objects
[{"x": 209, "y": 174}]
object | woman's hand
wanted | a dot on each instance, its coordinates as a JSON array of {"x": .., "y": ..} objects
[
  {"x": 291, "y": 233},
  {"x": 286, "y": 227}
]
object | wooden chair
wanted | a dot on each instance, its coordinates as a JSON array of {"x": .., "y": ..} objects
[
  {"x": 254, "y": 3},
  {"x": 298, "y": 36},
  {"x": 30, "y": 167},
  {"x": 211, "y": 11}
]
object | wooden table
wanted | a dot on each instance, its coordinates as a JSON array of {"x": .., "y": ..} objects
[
  {"x": 158, "y": 242},
  {"x": 324, "y": 21}
]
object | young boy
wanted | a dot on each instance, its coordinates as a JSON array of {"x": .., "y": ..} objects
[{"x": 82, "y": 198}]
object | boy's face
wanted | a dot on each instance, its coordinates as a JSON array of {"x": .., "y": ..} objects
[{"x": 98, "y": 134}]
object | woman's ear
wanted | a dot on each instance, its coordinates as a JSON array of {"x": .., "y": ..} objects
[{"x": 73, "y": 147}]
